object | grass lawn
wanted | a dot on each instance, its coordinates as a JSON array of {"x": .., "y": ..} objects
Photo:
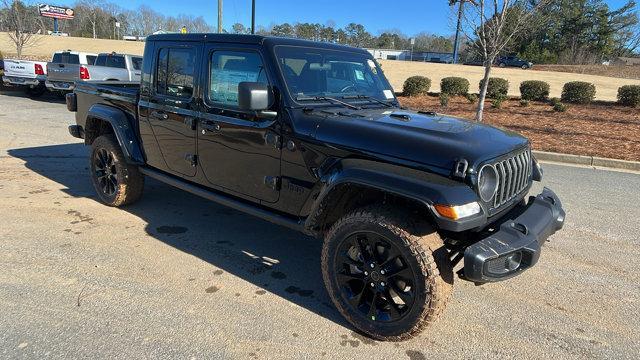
[{"x": 599, "y": 129}]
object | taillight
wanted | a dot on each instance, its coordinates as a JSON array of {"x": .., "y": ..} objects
[
  {"x": 39, "y": 69},
  {"x": 84, "y": 73}
]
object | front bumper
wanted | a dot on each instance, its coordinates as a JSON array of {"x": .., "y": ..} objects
[
  {"x": 516, "y": 245},
  {"x": 20, "y": 81}
]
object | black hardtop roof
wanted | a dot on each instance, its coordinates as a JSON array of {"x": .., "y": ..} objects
[{"x": 269, "y": 41}]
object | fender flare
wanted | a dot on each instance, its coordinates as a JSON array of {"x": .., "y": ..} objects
[
  {"x": 421, "y": 186},
  {"x": 122, "y": 128}
]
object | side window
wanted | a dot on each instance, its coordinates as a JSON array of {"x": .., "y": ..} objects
[
  {"x": 100, "y": 61},
  {"x": 228, "y": 69},
  {"x": 137, "y": 63},
  {"x": 91, "y": 59},
  {"x": 174, "y": 76}
]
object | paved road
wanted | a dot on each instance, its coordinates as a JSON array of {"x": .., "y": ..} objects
[{"x": 177, "y": 276}]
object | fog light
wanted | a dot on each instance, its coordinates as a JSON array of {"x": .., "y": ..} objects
[{"x": 504, "y": 264}]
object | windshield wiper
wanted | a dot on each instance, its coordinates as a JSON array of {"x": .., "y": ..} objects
[
  {"x": 367, "y": 97},
  {"x": 327, "y": 98}
]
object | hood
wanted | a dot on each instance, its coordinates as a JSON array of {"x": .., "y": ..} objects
[{"x": 426, "y": 138}]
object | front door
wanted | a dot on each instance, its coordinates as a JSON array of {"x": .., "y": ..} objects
[
  {"x": 238, "y": 151},
  {"x": 172, "y": 110}
]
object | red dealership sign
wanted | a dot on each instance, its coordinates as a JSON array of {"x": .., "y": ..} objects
[{"x": 57, "y": 12}]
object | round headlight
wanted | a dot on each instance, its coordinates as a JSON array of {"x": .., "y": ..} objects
[{"x": 487, "y": 182}]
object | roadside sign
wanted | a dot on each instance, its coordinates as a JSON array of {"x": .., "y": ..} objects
[
  {"x": 56, "y": 12},
  {"x": 413, "y": 41}
]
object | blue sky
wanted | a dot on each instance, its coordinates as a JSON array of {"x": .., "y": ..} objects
[{"x": 408, "y": 16}]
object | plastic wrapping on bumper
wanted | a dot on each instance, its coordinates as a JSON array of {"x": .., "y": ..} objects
[{"x": 516, "y": 246}]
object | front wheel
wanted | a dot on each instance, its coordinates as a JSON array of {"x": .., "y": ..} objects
[
  {"x": 387, "y": 278},
  {"x": 116, "y": 182}
]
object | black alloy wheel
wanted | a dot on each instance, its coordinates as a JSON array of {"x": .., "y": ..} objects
[
  {"x": 106, "y": 172},
  {"x": 374, "y": 277},
  {"x": 117, "y": 182},
  {"x": 389, "y": 276}
]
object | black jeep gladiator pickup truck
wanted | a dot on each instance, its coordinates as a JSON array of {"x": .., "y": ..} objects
[{"x": 310, "y": 135}]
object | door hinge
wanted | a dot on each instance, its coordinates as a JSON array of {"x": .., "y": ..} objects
[
  {"x": 191, "y": 158},
  {"x": 272, "y": 182},
  {"x": 273, "y": 140},
  {"x": 190, "y": 122}
]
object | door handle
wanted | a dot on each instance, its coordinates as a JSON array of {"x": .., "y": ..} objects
[
  {"x": 160, "y": 115},
  {"x": 210, "y": 126}
]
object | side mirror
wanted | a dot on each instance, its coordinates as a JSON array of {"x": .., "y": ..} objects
[{"x": 254, "y": 96}]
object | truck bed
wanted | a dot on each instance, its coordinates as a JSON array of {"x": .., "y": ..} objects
[{"x": 119, "y": 94}]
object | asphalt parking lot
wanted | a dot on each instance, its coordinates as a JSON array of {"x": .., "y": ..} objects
[{"x": 178, "y": 276}]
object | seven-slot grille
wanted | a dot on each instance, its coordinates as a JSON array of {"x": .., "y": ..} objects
[{"x": 514, "y": 175}]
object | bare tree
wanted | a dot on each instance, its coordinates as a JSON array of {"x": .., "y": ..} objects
[
  {"x": 92, "y": 12},
  {"x": 21, "y": 27},
  {"x": 491, "y": 25}
]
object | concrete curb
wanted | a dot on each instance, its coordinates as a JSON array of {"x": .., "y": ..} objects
[{"x": 587, "y": 160}]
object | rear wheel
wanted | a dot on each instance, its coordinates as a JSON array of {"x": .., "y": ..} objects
[
  {"x": 36, "y": 91},
  {"x": 387, "y": 278},
  {"x": 116, "y": 182}
]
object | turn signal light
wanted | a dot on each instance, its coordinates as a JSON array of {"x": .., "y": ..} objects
[
  {"x": 84, "y": 73},
  {"x": 458, "y": 211},
  {"x": 39, "y": 70}
]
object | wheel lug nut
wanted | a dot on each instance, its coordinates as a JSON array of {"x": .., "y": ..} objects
[
  {"x": 382, "y": 272},
  {"x": 382, "y": 284},
  {"x": 366, "y": 273},
  {"x": 373, "y": 285},
  {"x": 372, "y": 266}
]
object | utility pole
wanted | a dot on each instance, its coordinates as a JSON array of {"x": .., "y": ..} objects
[
  {"x": 220, "y": 16},
  {"x": 253, "y": 16},
  {"x": 456, "y": 42}
]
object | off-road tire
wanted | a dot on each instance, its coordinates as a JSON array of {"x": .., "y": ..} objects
[
  {"x": 424, "y": 250},
  {"x": 130, "y": 182},
  {"x": 36, "y": 92}
]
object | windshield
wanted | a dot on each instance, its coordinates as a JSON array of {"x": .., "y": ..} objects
[{"x": 315, "y": 72}]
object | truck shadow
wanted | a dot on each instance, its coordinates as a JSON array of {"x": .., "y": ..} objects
[
  {"x": 273, "y": 258},
  {"x": 19, "y": 92}
]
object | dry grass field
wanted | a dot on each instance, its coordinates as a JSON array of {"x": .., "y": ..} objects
[
  {"x": 45, "y": 45},
  {"x": 619, "y": 71},
  {"x": 396, "y": 71}
]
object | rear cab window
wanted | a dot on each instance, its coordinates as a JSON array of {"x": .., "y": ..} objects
[{"x": 66, "y": 58}]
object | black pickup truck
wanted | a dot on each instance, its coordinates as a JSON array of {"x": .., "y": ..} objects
[{"x": 310, "y": 136}]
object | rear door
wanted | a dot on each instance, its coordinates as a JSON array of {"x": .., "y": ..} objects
[
  {"x": 172, "y": 106},
  {"x": 238, "y": 151},
  {"x": 65, "y": 67}
]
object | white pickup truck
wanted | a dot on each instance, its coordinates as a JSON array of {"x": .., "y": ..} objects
[
  {"x": 63, "y": 76},
  {"x": 30, "y": 74}
]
